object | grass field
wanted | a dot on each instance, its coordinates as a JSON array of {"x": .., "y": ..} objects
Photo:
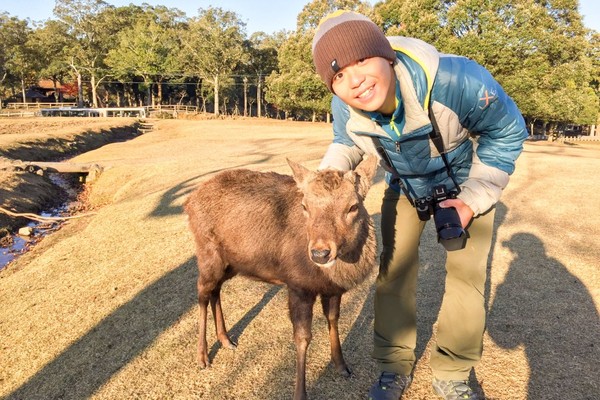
[{"x": 105, "y": 308}]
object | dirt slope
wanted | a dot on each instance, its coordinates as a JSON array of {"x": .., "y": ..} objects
[
  {"x": 48, "y": 139},
  {"x": 105, "y": 308}
]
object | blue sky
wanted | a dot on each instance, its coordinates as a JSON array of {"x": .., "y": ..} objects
[{"x": 259, "y": 15}]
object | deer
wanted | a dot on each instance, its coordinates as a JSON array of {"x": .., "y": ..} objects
[{"x": 310, "y": 232}]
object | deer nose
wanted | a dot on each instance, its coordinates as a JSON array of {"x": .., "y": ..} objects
[{"x": 320, "y": 256}]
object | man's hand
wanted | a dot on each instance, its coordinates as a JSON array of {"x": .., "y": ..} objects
[{"x": 464, "y": 211}]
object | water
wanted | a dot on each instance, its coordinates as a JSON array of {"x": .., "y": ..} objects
[
  {"x": 9, "y": 253},
  {"x": 21, "y": 244},
  {"x": 16, "y": 245}
]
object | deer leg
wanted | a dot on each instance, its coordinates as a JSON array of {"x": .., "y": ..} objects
[
  {"x": 300, "y": 305},
  {"x": 211, "y": 274},
  {"x": 217, "y": 310},
  {"x": 331, "y": 309},
  {"x": 203, "y": 300}
]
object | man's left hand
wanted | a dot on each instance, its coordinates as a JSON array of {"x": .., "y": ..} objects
[{"x": 464, "y": 211}]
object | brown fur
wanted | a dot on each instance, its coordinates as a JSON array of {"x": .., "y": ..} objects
[{"x": 310, "y": 232}]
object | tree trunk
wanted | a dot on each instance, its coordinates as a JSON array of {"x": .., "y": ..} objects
[
  {"x": 2, "y": 80},
  {"x": 149, "y": 99},
  {"x": 94, "y": 94},
  {"x": 259, "y": 96},
  {"x": 159, "y": 94},
  {"x": 23, "y": 90},
  {"x": 216, "y": 112},
  {"x": 79, "y": 90},
  {"x": 79, "y": 83},
  {"x": 245, "y": 96},
  {"x": 531, "y": 128},
  {"x": 55, "y": 90}
]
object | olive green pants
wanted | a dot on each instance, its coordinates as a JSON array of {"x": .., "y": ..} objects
[{"x": 461, "y": 319}]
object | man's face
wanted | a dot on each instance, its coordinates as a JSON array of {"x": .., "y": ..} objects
[{"x": 368, "y": 84}]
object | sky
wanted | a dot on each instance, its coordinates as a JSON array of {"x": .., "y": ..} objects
[{"x": 268, "y": 16}]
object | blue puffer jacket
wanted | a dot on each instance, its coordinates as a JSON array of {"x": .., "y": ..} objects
[{"x": 481, "y": 127}]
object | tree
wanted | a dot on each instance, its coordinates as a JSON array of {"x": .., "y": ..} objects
[
  {"x": 9, "y": 40},
  {"x": 262, "y": 50},
  {"x": 594, "y": 55},
  {"x": 213, "y": 47},
  {"x": 313, "y": 12},
  {"x": 94, "y": 25},
  {"x": 20, "y": 61},
  {"x": 148, "y": 49},
  {"x": 536, "y": 50},
  {"x": 413, "y": 18},
  {"x": 297, "y": 86},
  {"x": 52, "y": 43}
]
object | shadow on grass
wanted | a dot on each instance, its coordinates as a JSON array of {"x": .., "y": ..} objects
[
  {"x": 92, "y": 360},
  {"x": 99, "y": 354},
  {"x": 236, "y": 330},
  {"x": 548, "y": 311}
]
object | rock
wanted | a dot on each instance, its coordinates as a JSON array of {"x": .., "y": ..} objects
[{"x": 26, "y": 231}]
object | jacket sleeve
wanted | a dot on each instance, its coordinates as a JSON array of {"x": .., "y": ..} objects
[
  {"x": 499, "y": 130},
  {"x": 342, "y": 153}
]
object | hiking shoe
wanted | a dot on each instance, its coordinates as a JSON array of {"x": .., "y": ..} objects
[
  {"x": 454, "y": 390},
  {"x": 389, "y": 386}
]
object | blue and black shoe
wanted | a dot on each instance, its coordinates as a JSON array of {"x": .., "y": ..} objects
[{"x": 389, "y": 386}]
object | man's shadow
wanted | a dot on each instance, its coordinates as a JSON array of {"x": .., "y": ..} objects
[{"x": 547, "y": 310}]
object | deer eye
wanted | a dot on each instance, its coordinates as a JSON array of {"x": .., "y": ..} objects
[{"x": 353, "y": 208}]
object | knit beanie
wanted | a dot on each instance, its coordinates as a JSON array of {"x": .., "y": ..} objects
[{"x": 344, "y": 37}]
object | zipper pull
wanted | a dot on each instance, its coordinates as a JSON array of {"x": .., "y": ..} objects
[{"x": 397, "y": 147}]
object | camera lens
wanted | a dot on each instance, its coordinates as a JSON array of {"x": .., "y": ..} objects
[{"x": 449, "y": 229}]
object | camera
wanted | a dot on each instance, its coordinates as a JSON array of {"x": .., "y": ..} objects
[{"x": 450, "y": 232}]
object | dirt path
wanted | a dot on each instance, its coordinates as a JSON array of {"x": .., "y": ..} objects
[{"x": 105, "y": 308}]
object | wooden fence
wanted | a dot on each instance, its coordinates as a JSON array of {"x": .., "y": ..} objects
[
  {"x": 172, "y": 109},
  {"x": 581, "y": 138},
  {"x": 35, "y": 106},
  {"x": 17, "y": 114}
]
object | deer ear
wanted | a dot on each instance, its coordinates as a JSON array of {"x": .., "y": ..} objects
[
  {"x": 366, "y": 171},
  {"x": 299, "y": 172}
]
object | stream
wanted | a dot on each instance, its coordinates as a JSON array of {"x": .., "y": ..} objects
[{"x": 16, "y": 245}]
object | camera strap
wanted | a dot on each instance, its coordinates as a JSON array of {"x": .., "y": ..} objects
[
  {"x": 436, "y": 138},
  {"x": 389, "y": 167}
]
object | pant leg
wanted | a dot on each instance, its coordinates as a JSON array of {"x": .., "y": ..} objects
[
  {"x": 395, "y": 333},
  {"x": 461, "y": 320}
]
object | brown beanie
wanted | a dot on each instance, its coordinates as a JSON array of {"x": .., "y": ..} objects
[{"x": 344, "y": 37}]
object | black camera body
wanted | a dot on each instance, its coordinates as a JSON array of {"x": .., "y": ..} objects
[{"x": 447, "y": 221}]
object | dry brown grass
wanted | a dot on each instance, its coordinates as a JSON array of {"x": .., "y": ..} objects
[{"x": 106, "y": 309}]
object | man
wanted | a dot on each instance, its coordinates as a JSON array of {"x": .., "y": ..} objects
[{"x": 389, "y": 94}]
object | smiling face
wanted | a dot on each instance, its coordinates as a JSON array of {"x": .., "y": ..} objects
[{"x": 368, "y": 84}]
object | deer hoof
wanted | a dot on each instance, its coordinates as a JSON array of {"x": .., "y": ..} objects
[
  {"x": 345, "y": 372},
  {"x": 231, "y": 346},
  {"x": 227, "y": 343},
  {"x": 204, "y": 363}
]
